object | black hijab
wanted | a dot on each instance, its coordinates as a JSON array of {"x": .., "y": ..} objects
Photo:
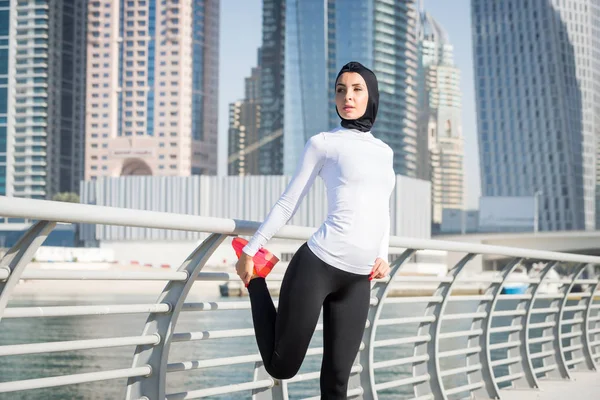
[{"x": 364, "y": 123}]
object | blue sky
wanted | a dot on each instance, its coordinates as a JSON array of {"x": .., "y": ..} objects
[{"x": 241, "y": 24}]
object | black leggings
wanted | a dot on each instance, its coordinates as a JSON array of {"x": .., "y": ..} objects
[{"x": 283, "y": 336}]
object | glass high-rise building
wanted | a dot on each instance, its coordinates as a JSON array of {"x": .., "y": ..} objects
[
  {"x": 305, "y": 43},
  {"x": 152, "y": 87},
  {"x": 538, "y": 101},
  {"x": 42, "y": 97},
  {"x": 440, "y": 140}
]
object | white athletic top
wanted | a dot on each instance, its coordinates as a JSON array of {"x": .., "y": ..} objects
[{"x": 359, "y": 177}]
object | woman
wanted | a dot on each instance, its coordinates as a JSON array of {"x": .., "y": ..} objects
[{"x": 333, "y": 269}]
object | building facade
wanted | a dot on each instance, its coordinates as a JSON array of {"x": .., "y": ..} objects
[
  {"x": 440, "y": 139},
  {"x": 538, "y": 101},
  {"x": 305, "y": 43},
  {"x": 227, "y": 197},
  {"x": 152, "y": 90},
  {"x": 244, "y": 125},
  {"x": 42, "y": 93}
]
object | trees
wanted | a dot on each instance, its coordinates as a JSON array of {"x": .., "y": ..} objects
[{"x": 68, "y": 197}]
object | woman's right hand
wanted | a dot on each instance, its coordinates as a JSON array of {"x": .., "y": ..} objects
[{"x": 245, "y": 268}]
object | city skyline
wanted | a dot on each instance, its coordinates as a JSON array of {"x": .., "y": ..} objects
[
  {"x": 238, "y": 57},
  {"x": 222, "y": 121},
  {"x": 227, "y": 28},
  {"x": 433, "y": 8}
]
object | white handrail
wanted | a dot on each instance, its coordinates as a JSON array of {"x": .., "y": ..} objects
[
  {"x": 91, "y": 214},
  {"x": 150, "y": 364}
]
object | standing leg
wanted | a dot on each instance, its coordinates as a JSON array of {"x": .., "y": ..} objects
[
  {"x": 344, "y": 317},
  {"x": 283, "y": 336}
]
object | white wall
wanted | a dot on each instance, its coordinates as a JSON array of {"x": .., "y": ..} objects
[
  {"x": 174, "y": 253},
  {"x": 71, "y": 254},
  {"x": 245, "y": 197}
]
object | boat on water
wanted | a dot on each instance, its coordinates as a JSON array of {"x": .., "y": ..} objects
[{"x": 518, "y": 281}]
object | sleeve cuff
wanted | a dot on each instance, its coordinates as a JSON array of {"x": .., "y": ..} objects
[
  {"x": 254, "y": 244},
  {"x": 249, "y": 250}
]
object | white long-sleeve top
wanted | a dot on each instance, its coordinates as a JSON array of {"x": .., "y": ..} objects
[{"x": 358, "y": 173}]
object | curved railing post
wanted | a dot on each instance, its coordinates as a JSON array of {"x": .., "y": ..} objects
[
  {"x": 431, "y": 348},
  {"x": 557, "y": 344},
  {"x": 587, "y": 348},
  {"x": 379, "y": 291},
  {"x": 152, "y": 387},
  {"x": 277, "y": 392},
  {"x": 524, "y": 350},
  {"x": 490, "y": 387},
  {"x": 19, "y": 255}
]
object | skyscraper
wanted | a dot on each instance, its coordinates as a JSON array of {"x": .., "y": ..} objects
[
  {"x": 42, "y": 89},
  {"x": 440, "y": 140},
  {"x": 152, "y": 92},
  {"x": 4, "y": 62},
  {"x": 305, "y": 43},
  {"x": 272, "y": 63},
  {"x": 244, "y": 123},
  {"x": 537, "y": 91}
]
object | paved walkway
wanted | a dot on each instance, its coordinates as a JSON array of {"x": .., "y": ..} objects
[{"x": 584, "y": 386}]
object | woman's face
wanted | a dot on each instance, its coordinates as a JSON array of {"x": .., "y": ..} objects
[{"x": 351, "y": 95}]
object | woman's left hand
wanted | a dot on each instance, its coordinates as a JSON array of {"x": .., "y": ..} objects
[{"x": 380, "y": 270}]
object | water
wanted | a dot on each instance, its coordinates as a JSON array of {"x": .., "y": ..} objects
[{"x": 31, "y": 330}]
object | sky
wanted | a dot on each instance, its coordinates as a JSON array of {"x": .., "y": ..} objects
[{"x": 240, "y": 37}]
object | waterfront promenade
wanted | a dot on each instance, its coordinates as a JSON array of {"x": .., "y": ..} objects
[{"x": 443, "y": 345}]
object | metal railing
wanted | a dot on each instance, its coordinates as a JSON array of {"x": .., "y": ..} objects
[{"x": 504, "y": 340}]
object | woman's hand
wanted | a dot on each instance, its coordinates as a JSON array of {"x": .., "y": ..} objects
[
  {"x": 380, "y": 270},
  {"x": 245, "y": 268}
]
